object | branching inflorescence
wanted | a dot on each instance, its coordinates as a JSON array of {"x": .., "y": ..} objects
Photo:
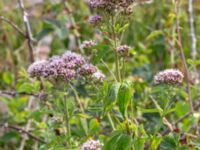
[{"x": 66, "y": 67}]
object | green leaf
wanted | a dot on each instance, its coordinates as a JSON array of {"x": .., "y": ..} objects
[
  {"x": 7, "y": 77},
  {"x": 148, "y": 110},
  {"x": 154, "y": 34},
  {"x": 111, "y": 95},
  {"x": 168, "y": 143},
  {"x": 181, "y": 108},
  {"x": 26, "y": 87},
  {"x": 83, "y": 115},
  {"x": 122, "y": 29},
  {"x": 119, "y": 141},
  {"x": 84, "y": 125},
  {"x": 43, "y": 33},
  {"x": 155, "y": 143},
  {"x": 139, "y": 143},
  {"x": 54, "y": 22},
  {"x": 124, "y": 96},
  {"x": 102, "y": 50},
  {"x": 94, "y": 127}
]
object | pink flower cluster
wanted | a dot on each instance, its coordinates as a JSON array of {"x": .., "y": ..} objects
[
  {"x": 123, "y": 50},
  {"x": 169, "y": 76},
  {"x": 111, "y": 5},
  {"x": 66, "y": 67},
  {"x": 88, "y": 44},
  {"x": 94, "y": 19},
  {"x": 92, "y": 145}
]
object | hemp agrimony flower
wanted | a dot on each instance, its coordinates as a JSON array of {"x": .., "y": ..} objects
[
  {"x": 87, "y": 69},
  {"x": 88, "y": 44},
  {"x": 111, "y": 5},
  {"x": 37, "y": 68},
  {"x": 169, "y": 76},
  {"x": 66, "y": 67},
  {"x": 98, "y": 77},
  {"x": 94, "y": 19},
  {"x": 73, "y": 59},
  {"x": 91, "y": 145},
  {"x": 123, "y": 50}
]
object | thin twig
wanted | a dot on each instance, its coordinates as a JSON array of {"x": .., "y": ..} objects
[
  {"x": 107, "y": 67},
  {"x": 77, "y": 97},
  {"x": 196, "y": 106},
  {"x": 31, "y": 57},
  {"x": 28, "y": 29},
  {"x": 118, "y": 75},
  {"x": 13, "y": 25},
  {"x": 15, "y": 93},
  {"x": 182, "y": 56},
  {"x": 20, "y": 130}
]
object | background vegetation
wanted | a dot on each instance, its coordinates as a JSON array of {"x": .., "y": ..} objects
[{"x": 59, "y": 25}]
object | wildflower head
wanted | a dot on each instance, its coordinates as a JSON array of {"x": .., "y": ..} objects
[
  {"x": 37, "y": 68},
  {"x": 88, "y": 44},
  {"x": 91, "y": 145},
  {"x": 123, "y": 50},
  {"x": 169, "y": 76},
  {"x": 67, "y": 74},
  {"x": 111, "y": 5},
  {"x": 94, "y": 19},
  {"x": 98, "y": 77},
  {"x": 65, "y": 68},
  {"x": 87, "y": 70},
  {"x": 73, "y": 59}
]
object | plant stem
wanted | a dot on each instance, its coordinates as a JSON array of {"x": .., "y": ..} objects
[
  {"x": 111, "y": 121},
  {"x": 66, "y": 111},
  {"x": 77, "y": 98},
  {"x": 115, "y": 50},
  {"x": 107, "y": 67},
  {"x": 182, "y": 56}
]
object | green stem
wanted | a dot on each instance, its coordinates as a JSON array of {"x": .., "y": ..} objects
[
  {"x": 111, "y": 121},
  {"x": 77, "y": 98},
  {"x": 123, "y": 69},
  {"x": 115, "y": 50},
  {"x": 67, "y": 118}
]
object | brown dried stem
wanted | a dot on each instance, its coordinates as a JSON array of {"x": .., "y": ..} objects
[
  {"x": 182, "y": 56},
  {"x": 20, "y": 130}
]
